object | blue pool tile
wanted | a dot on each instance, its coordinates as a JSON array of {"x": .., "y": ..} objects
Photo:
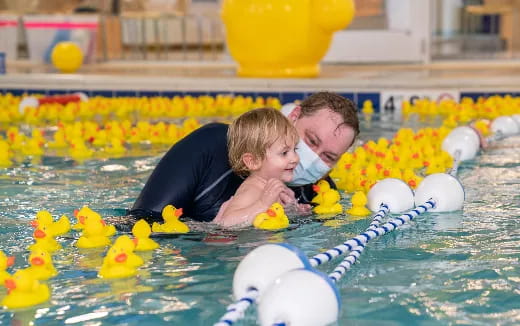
[
  {"x": 149, "y": 93},
  {"x": 102, "y": 93},
  {"x": 290, "y": 97},
  {"x": 269, "y": 94},
  {"x": 374, "y": 97},
  {"x": 37, "y": 91},
  {"x": 246, "y": 94},
  {"x": 126, "y": 93},
  {"x": 350, "y": 96},
  {"x": 52, "y": 92},
  {"x": 172, "y": 94},
  {"x": 14, "y": 91}
]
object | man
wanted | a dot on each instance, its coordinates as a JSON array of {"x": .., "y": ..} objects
[{"x": 195, "y": 173}]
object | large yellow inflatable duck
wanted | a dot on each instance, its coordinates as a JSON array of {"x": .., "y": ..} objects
[
  {"x": 141, "y": 232},
  {"x": 94, "y": 235},
  {"x": 5, "y": 262},
  {"x": 272, "y": 219},
  {"x": 329, "y": 203},
  {"x": 359, "y": 200},
  {"x": 282, "y": 38},
  {"x": 44, "y": 240},
  {"x": 59, "y": 227},
  {"x": 117, "y": 263},
  {"x": 24, "y": 290},
  {"x": 171, "y": 224},
  {"x": 41, "y": 265}
]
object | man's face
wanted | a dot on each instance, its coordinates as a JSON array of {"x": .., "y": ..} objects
[{"x": 324, "y": 133}]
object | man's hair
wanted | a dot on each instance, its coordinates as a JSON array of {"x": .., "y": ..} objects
[
  {"x": 336, "y": 103},
  {"x": 254, "y": 132}
]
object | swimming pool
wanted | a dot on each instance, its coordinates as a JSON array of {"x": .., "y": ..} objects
[{"x": 449, "y": 268}]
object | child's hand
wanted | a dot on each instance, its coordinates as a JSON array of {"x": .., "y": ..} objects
[
  {"x": 273, "y": 190},
  {"x": 304, "y": 209}
]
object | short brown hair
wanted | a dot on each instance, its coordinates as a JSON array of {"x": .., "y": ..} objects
[
  {"x": 336, "y": 103},
  {"x": 254, "y": 132}
]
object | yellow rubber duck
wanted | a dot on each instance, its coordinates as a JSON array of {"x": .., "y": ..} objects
[
  {"x": 171, "y": 224},
  {"x": 141, "y": 232},
  {"x": 59, "y": 227},
  {"x": 128, "y": 245},
  {"x": 5, "y": 262},
  {"x": 84, "y": 213},
  {"x": 93, "y": 234},
  {"x": 359, "y": 200},
  {"x": 44, "y": 240},
  {"x": 320, "y": 188},
  {"x": 116, "y": 263},
  {"x": 41, "y": 265},
  {"x": 411, "y": 178},
  {"x": 273, "y": 219},
  {"x": 329, "y": 204},
  {"x": 24, "y": 290}
]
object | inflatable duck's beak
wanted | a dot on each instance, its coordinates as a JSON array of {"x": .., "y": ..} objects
[
  {"x": 178, "y": 212},
  {"x": 10, "y": 261},
  {"x": 10, "y": 284},
  {"x": 121, "y": 258},
  {"x": 316, "y": 188},
  {"x": 39, "y": 234},
  {"x": 271, "y": 212},
  {"x": 34, "y": 223}
]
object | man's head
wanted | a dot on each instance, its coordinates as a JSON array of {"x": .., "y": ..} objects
[{"x": 327, "y": 123}]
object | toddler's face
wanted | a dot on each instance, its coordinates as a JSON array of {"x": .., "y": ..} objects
[{"x": 280, "y": 160}]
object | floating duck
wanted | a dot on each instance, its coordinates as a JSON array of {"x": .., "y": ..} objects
[
  {"x": 320, "y": 188},
  {"x": 44, "y": 240},
  {"x": 86, "y": 212},
  {"x": 24, "y": 290},
  {"x": 116, "y": 263},
  {"x": 359, "y": 200},
  {"x": 41, "y": 265},
  {"x": 128, "y": 245},
  {"x": 171, "y": 224},
  {"x": 141, "y": 232},
  {"x": 272, "y": 219},
  {"x": 5, "y": 262},
  {"x": 59, "y": 227},
  {"x": 329, "y": 203},
  {"x": 94, "y": 235}
]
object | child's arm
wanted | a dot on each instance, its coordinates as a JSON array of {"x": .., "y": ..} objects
[{"x": 249, "y": 201}]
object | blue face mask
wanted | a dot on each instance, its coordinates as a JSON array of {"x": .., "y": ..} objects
[{"x": 311, "y": 167}]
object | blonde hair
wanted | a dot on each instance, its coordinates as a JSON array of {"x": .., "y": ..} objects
[{"x": 254, "y": 132}]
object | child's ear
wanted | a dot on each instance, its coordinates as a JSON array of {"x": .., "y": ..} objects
[
  {"x": 295, "y": 113},
  {"x": 250, "y": 161}
]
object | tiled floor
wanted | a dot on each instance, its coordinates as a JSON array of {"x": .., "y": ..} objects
[{"x": 211, "y": 76}]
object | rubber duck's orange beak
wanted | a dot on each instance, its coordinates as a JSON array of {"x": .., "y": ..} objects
[
  {"x": 271, "y": 212},
  {"x": 34, "y": 223},
  {"x": 178, "y": 212},
  {"x": 316, "y": 188},
  {"x": 81, "y": 219},
  {"x": 347, "y": 166},
  {"x": 136, "y": 241},
  {"x": 10, "y": 261},
  {"x": 39, "y": 234},
  {"x": 76, "y": 211},
  {"x": 121, "y": 258},
  {"x": 412, "y": 183},
  {"x": 10, "y": 284},
  {"x": 103, "y": 222},
  {"x": 38, "y": 261}
]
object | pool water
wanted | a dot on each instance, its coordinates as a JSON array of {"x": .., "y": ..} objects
[{"x": 450, "y": 268}]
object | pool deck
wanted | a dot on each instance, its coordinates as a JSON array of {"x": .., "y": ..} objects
[{"x": 497, "y": 76}]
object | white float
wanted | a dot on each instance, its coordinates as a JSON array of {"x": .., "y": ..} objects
[
  {"x": 395, "y": 193},
  {"x": 463, "y": 141},
  {"x": 265, "y": 263},
  {"x": 300, "y": 297},
  {"x": 445, "y": 190},
  {"x": 505, "y": 125}
]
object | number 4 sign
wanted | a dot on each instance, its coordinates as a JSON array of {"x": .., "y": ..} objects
[{"x": 392, "y": 101}]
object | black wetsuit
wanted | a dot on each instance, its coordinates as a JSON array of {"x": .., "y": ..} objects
[{"x": 195, "y": 175}]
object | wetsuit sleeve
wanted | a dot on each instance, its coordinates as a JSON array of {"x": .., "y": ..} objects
[
  {"x": 304, "y": 194},
  {"x": 176, "y": 177}
]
